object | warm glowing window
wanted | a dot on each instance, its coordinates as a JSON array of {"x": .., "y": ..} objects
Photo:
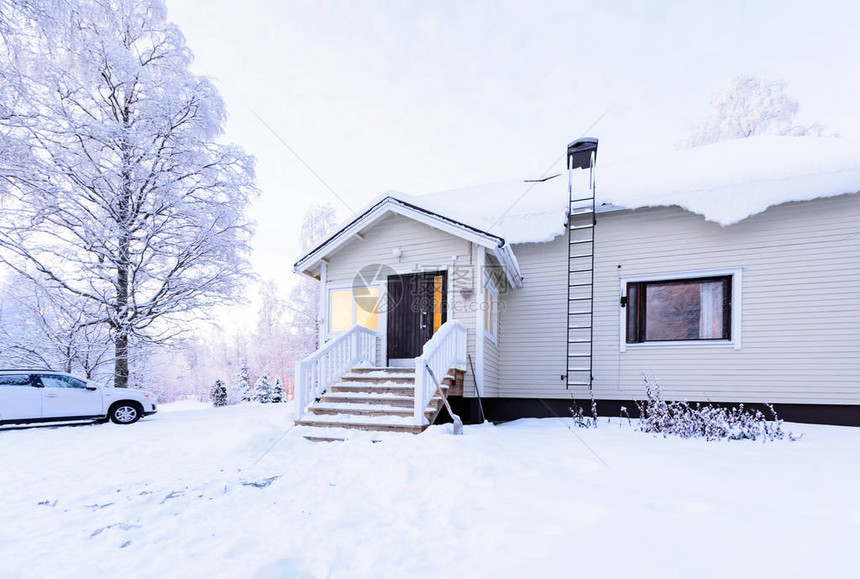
[
  {"x": 437, "y": 302},
  {"x": 367, "y": 307},
  {"x": 349, "y": 306},
  {"x": 340, "y": 310}
]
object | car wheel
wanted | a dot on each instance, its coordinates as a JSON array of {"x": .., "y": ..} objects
[{"x": 125, "y": 412}]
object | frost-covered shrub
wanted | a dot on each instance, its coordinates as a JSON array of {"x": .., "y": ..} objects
[
  {"x": 263, "y": 389},
  {"x": 705, "y": 421},
  {"x": 278, "y": 392},
  {"x": 579, "y": 417},
  {"x": 218, "y": 394},
  {"x": 241, "y": 390}
]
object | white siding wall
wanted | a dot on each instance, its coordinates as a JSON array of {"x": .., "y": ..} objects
[
  {"x": 534, "y": 325},
  {"x": 423, "y": 249},
  {"x": 800, "y": 303},
  {"x": 800, "y": 307}
]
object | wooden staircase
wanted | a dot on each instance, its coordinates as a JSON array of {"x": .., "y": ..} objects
[{"x": 374, "y": 400}]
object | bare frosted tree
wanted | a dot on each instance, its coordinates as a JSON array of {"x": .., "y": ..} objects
[
  {"x": 270, "y": 351},
  {"x": 305, "y": 296},
  {"x": 116, "y": 188},
  {"x": 749, "y": 107},
  {"x": 40, "y": 328},
  {"x": 318, "y": 222}
]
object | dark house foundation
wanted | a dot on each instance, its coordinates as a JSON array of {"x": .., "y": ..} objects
[{"x": 506, "y": 409}]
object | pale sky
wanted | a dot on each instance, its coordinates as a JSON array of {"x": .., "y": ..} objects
[{"x": 428, "y": 96}]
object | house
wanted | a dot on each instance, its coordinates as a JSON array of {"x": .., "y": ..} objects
[{"x": 726, "y": 273}]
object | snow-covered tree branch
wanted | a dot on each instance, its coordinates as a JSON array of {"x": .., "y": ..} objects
[
  {"x": 749, "y": 107},
  {"x": 115, "y": 187},
  {"x": 305, "y": 296},
  {"x": 44, "y": 329}
]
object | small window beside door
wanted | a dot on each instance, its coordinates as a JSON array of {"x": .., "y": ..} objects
[
  {"x": 350, "y": 306},
  {"x": 491, "y": 309}
]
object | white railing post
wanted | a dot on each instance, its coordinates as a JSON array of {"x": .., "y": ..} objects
[
  {"x": 419, "y": 403},
  {"x": 444, "y": 351},
  {"x": 299, "y": 384},
  {"x": 317, "y": 372}
]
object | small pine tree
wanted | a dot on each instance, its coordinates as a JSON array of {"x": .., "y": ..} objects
[
  {"x": 278, "y": 392},
  {"x": 242, "y": 390},
  {"x": 263, "y": 389},
  {"x": 218, "y": 394}
]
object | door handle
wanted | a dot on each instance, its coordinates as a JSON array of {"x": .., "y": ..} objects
[
  {"x": 50, "y": 395},
  {"x": 423, "y": 320}
]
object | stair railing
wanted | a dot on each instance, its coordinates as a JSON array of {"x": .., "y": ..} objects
[
  {"x": 317, "y": 372},
  {"x": 444, "y": 351}
]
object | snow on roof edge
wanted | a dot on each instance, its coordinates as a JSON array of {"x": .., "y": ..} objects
[
  {"x": 730, "y": 181},
  {"x": 724, "y": 182}
]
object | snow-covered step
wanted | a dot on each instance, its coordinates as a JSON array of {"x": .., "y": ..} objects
[
  {"x": 369, "y": 398},
  {"x": 323, "y": 408},
  {"x": 340, "y": 434},
  {"x": 358, "y": 422},
  {"x": 399, "y": 377},
  {"x": 376, "y": 420},
  {"x": 374, "y": 387},
  {"x": 383, "y": 371}
]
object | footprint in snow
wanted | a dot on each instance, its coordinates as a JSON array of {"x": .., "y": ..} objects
[
  {"x": 120, "y": 526},
  {"x": 261, "y": 484},
  {"x": 97, "y": 507}
]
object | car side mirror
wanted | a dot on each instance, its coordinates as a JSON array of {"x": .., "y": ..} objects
[{"x": 92, "y": 387}]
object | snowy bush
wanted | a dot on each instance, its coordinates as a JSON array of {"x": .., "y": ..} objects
[
  {"x": 579, "y": 417},
  {"x": 278, "y": 392},
  {"x": 241, "y": 390},
  {"x": 263, "y": 391},
  {"x": 243, "y": 383},
  {"x": 705, "y": 421},
  {"x": 218, "y": 394}
]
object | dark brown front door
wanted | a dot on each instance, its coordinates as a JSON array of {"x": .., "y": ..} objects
[{"x": 416, "y": 308}]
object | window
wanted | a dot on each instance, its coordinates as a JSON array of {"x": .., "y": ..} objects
[
  {"x": 56, "y": 381},
  {"x": 491, "y": 309},
  {"x": 679, "y": 310},
  {"x": 350, "y": 306},
  {"x": 438, "y": 301},
  {"x": 15, "y": 380}
]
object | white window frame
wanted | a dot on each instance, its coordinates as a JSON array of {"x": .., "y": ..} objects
[
  {"x": 492, "y": 333},
  {"x": 382, "y": 317},
  {"x": 736, "y": 273}
]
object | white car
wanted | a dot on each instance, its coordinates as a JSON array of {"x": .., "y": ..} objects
[{"x": 45, "y": 396}]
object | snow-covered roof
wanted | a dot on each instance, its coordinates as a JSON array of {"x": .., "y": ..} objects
[
  {"x": 389, "y": 204},
  {"x": 729, "y": 181},
  {"x": 518, "y": 211},
  {"x": 725, "y": 182}
]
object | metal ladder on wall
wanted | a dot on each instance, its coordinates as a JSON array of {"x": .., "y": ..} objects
[{"x": 581, "y": 154}]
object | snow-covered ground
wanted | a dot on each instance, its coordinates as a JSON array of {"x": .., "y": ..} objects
[{"x": 193, "y": 492}]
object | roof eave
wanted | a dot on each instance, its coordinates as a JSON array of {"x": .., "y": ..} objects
[
  {"x": 394, "y": 205},
  {"x": 509, "y": 263}
]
